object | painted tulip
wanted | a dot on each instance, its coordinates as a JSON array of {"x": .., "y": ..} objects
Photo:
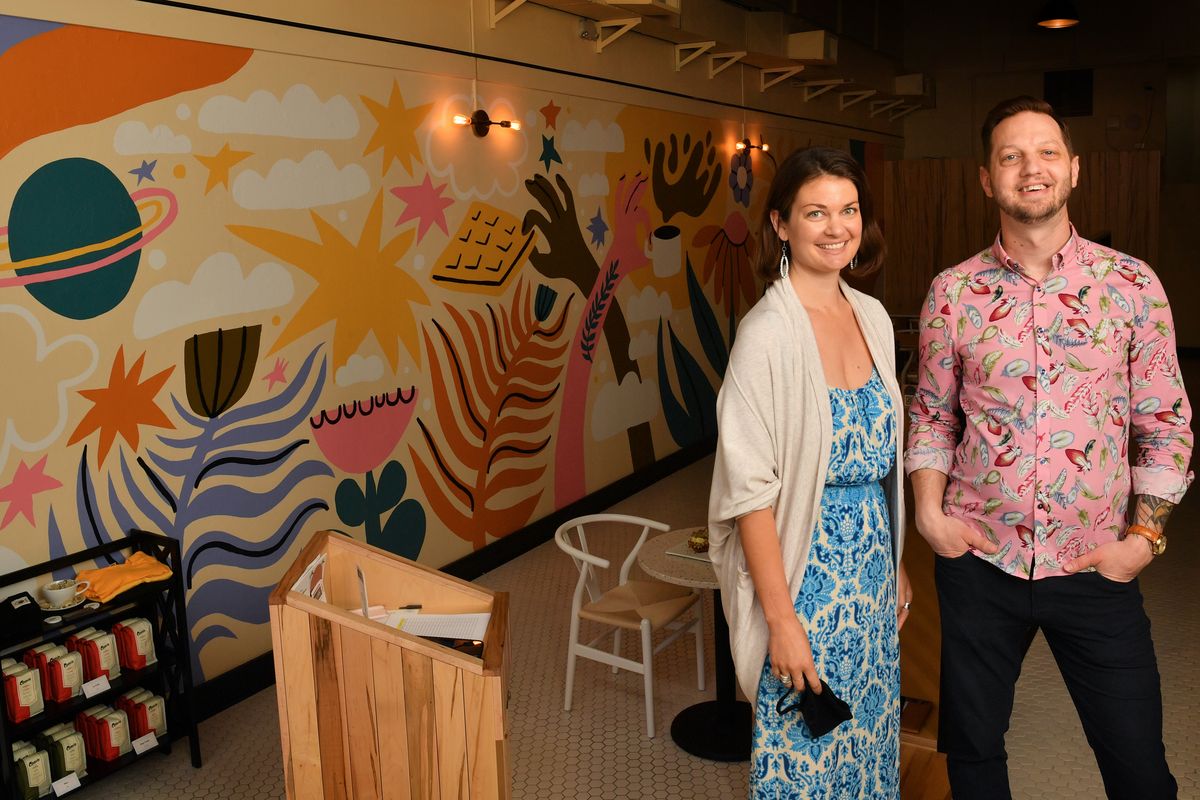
[
  {"x": 218, "y": 367},
  {"x": 357, "y": 437}
]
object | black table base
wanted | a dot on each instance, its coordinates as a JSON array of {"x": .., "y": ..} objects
[{"x": 716, "y": 730}]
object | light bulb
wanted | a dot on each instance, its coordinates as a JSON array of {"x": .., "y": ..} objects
[{"x": 462, "y": 119}]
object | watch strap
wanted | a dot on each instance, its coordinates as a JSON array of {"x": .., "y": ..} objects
[{"x": 1149, "y": 534}]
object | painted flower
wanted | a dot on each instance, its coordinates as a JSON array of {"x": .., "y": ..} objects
[
  {"x": 218, "y": 366},
  {"x": 741, "y": 177},
  {"x": 357, "y": 437},
  {"x": 727, "y": 261}
]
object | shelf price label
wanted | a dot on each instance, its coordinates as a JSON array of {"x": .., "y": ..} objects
[
  {"x": 65, "y": 784},
  {"x": 144, "y": 743},
  {"x": 96, "y": 686}
]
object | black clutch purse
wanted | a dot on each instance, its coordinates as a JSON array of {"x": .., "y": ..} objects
[{"x": 821, "y": 712}]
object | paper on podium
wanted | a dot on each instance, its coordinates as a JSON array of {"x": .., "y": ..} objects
[{"x": 444, "y": 626}]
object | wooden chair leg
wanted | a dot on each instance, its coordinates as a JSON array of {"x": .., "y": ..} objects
[
  {"x": 571, "y": 663},
  {"x": 648, "y": 676}
]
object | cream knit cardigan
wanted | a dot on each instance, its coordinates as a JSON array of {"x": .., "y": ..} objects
[{"x": 775, "y": 435}]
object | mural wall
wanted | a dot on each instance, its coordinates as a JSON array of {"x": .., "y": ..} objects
[{"x": 252, "y": 295}]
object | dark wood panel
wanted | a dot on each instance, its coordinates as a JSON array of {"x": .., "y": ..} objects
[{"x": 935, "y": 214}]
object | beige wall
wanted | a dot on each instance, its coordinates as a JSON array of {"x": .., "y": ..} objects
[{"x": 354, "y": 305}]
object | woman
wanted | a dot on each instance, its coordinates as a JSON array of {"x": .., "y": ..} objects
[{"x": 805, "y": 539}]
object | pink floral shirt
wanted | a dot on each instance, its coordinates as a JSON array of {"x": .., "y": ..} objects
[{"x": 1029, "y": 394}]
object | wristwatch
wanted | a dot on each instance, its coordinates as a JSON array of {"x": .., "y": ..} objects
[{"x": 1158, "y": 541}]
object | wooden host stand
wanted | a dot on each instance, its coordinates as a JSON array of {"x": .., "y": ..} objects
[{"x": 366, "y": 711}]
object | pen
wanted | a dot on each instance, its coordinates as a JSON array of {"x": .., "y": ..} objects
[{"x": 411, "y": 607}]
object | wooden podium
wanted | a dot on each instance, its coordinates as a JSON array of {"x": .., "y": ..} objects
[{"x": 367, "y": 711}]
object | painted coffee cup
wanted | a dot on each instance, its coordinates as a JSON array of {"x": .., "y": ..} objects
[{"x": 60, "y": 593}]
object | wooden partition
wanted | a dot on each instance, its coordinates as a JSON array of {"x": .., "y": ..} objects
[
  {"x": 935, "y": 215},
  {"x": 367, "y": 711}
]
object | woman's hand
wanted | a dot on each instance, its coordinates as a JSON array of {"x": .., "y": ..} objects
[
  {"x": 903, "y": 596},
  {"x": 791, "y": 654}
]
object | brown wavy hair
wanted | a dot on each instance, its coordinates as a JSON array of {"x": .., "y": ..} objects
[
  {"x": 1013, "y": 106},
  {"x": 798, "y": 169}
]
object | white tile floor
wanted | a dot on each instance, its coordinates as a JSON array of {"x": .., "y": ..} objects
[{"x": 599, "y": 750}]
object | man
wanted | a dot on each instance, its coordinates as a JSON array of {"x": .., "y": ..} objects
[{"x": 1047, "y": 363}]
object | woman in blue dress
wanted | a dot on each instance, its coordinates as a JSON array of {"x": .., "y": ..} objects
[{"x": 805, "y": 517}]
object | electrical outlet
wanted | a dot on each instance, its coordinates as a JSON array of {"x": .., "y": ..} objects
[{"x": 1113, "y": 122}]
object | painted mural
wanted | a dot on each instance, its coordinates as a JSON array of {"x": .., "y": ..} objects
[{"x": 250, "y": 295}]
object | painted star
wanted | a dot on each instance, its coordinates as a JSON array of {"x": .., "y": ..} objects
[
  {"x": 276, "y": 375},
  {"x": 424, "y": 202},
  {"x": 360, "y": 287},
  {"x": 549, "y": 154},
  {"x": 145, "y": 171},
  {"x": 27, "y": 482},
  {"x": 550, "y": 113},
  {"x": 123, "y": 406},
  {"x": 598, "y": 228},
  {"x": 395, "y": 129},
  {"x": 219, "y": 165}
]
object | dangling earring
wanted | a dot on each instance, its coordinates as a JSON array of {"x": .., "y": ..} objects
[
  {"x": 853, "y": 263},
  {"x": 784, "y": 265}
]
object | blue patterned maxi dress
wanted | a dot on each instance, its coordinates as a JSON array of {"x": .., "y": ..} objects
[{"x": 847, "y": 604}]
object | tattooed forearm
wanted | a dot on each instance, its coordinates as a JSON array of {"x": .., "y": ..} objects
[{"x": 1152, "y": 512}]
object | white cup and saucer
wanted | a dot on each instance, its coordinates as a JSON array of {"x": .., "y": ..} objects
[{"x": 62, "y": 595}]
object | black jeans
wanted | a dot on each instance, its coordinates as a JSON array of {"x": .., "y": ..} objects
[{"x": 1100, "y": 637}]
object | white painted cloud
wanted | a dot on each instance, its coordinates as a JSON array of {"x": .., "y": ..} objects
[
  {"x": 594, "y": 185},
  {"x": 299, "y": 114},
  {"x": 360, "y": 369},
  {"x": 10, "y": 561},
  {"x": 315, "y": 181},
  {"x": 648, "y": 305},
  {"x": 618, "y": 408},
  {"x": 593, "y": 137},
  {"x": 644, "y": 345},
  {"x": 133, "y": 138},
  {"x": 218, "y": 289},
  {"x": 478, "y": 168},
  {"x": 35, "y": 377}
]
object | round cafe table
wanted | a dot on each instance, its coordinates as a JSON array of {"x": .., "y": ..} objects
[{"x": 716, "y": 729}]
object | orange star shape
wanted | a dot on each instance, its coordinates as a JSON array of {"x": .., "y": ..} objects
[
  {"x": 550, "y": 113},
  {"x": 123, "y": 406},
  {"x": 395, "y": 129},
  {"x": 219, "y": 165},
  {"x": 360, "y": 286}
]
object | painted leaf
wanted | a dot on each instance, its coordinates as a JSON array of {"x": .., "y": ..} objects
[
  {"x": 493, "y": 378},
  {"x": 706, "y": 324}
]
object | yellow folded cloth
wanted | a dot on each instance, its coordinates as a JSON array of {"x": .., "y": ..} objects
[{"x": 110, "y": 581}]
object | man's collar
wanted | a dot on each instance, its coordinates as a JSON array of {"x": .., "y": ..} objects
[{"x": 1066, "y": 251}]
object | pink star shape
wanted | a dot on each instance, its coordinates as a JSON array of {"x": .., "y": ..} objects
[
  {"x": 424, "y": 202},
  {"x": 27, "y": 482},
  {"x": 276, "y": 375}
]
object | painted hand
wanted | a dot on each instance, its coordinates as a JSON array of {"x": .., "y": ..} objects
[{"x": 568, "y": 256}]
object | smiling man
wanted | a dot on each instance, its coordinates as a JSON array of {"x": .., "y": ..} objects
[{"x": 1048, "y": 443}]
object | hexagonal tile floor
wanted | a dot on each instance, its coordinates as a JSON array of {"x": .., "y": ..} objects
[{"x": 600, "y": 750}]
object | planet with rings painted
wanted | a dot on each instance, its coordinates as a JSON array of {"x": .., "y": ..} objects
[{"x": 75, "y": 236}]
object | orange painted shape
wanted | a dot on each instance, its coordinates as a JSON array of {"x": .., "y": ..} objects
[{"x": 76, "y": 75}]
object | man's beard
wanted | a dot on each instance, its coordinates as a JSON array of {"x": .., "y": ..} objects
[{"x": 1043, "y": 211}]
